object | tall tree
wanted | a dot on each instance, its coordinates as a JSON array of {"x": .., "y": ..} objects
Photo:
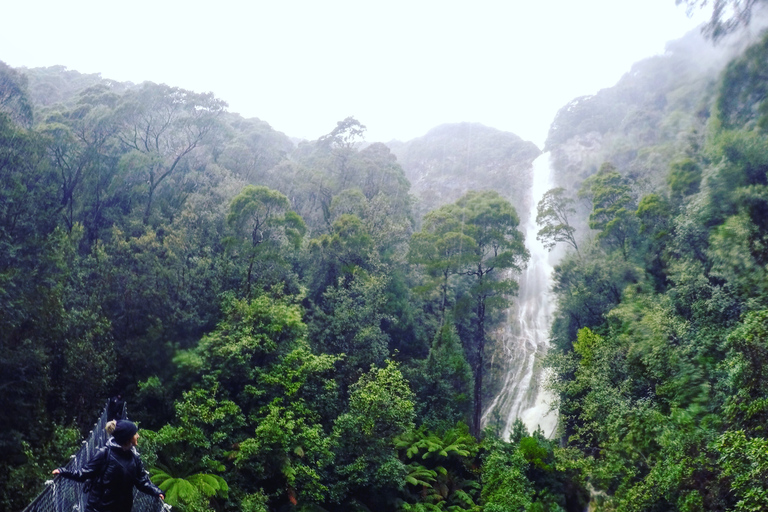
[
  {"x": 14, "y": 100},
  {"x": 613, "y": 207},
  {"x": 260, "y": 217},
  {"x": 442, "y": 248},
  {"x": 162, "y": 125},
  {"x": 498, "y": 253}
]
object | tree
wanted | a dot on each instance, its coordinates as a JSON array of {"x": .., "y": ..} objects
[
  {"x": 260, "y": 217},
  {"x": 83, "y": 149},
  {"x": 684, "y": 178},
  {"x": 445, "y": 397},
  {"x": 348, "y": 323},
  {"x": 586, "y": 289},
  {"x": 381, "y": 407},
  {"x": 499, "y": 249},
  {"x": 441, "y": 468},
  {"x": 260, "y": 361},
  {"x": 743, "y": 461},
  {"x": 741, "y": 100},
  {"x": 14, "y": 101},
  {"x": 552, "y": 212},
  {"x": 747, "y": 406},
  {"x": 339, "y": 255},
  {"x": 347, "y": 134},
  {"x": 655, "y": 215},
  {"x": 727, "y": 15},
  {"x": 161, "y": 126},
  {"x": 505, "y": 486},
  {"x": 442, "y": 248},
  {"x": 189, "y": 492},
  {"x": 613, "y": 207},
  {"x": 339, "y": 149}
]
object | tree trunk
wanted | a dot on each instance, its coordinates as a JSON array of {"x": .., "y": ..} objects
[{"x": 479, "y": 365}]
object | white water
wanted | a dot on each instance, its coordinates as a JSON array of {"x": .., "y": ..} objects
[{"x": 526, "y": 335}]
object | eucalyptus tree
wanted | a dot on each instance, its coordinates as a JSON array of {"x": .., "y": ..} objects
[
  {"x": 14, "y": 100},
  {"x": 80, "y": 143},
  {"x": 476, "y": 236},
  {"x": 552, "y": 213},
  {"x": 262, "y": 224},
  {"x": 613, "y": 208},
  {"x": 498, "y": 253},
  {"x": 162, "y": 125},
  {"x": 442, "y": 249}
]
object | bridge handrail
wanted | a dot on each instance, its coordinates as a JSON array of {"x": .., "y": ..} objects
[{"x": 64, "y": 495}]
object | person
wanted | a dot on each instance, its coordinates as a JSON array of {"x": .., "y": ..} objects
[
  {"x": 115, "y": 408},
  {"x": 113, "y": 472}
]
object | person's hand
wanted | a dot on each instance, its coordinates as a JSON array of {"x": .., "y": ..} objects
[
  {"x": 56, "y": 471},
  {"x": 162, "y": 497}
]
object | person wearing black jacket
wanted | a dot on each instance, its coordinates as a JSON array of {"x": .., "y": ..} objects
[{"x": 113, "y": 472}]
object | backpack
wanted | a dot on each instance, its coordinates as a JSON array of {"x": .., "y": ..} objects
[{"x": 88, "y": 485}]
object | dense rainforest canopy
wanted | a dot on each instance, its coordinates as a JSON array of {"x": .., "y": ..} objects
[{"x": 295, "y": 328}]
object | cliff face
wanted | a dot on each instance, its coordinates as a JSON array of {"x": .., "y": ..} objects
[
  {"x": 455, "y": 158},
  {"x": 656, "y": 112}
]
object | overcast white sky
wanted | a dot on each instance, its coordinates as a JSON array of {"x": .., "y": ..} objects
[{"x": 400, "y": 67}]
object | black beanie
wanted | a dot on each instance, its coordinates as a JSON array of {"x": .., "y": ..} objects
[{"x": 124, "y": 432}]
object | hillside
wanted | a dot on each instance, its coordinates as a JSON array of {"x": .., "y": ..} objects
[{"x": 452, "y": 159}]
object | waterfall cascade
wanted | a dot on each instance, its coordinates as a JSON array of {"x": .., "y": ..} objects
[{"x": 526, "y": 335}]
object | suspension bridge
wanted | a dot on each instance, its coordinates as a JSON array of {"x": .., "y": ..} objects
[{"x": 63, "y": 495}]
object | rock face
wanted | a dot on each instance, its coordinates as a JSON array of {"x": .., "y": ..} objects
[
  {"x": 654, "y": 113},
  {"x": 455, "y": 158}
]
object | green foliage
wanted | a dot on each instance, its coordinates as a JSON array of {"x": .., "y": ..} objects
[
  {"x": 253, "y": 335},
  {"x": 741, "y": 97},
  {"x": 442, "y": 248},
  {"x": 25, "y": 470},
  {"x": 287, "y": 444},
  {"x": 587, "y": 288},
  {"x": 381, "y": 408},
  {"x": 612, "y": 208},
  {"x": 14, "y": 100},
  {"x": 445, "y": 382},
  {"x": 552, "y": 212},
  {"x": 158, "y": 145},
  {"x": 349, "y": 324},
  {"x": 441, "y": 472},
  {"x": 746, "y": 407},
  {"x": 340, "y": 255},
  {"x": 263, "y": 228},
  {"x": 152, "y": 243},
  {"x": 505, "y": 486},
  {"x": 744, "y": 462},
  {"x": 684, "y": 178},
  {"x": 189, "y": 493},
  {"x": 477, "y": 237}
]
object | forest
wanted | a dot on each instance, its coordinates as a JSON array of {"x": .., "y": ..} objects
[{"x": 294, "y": 326}]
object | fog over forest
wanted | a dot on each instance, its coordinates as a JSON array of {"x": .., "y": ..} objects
[
  {"x": 518, "y": 301},
  {"x": 401, "y": 69}
]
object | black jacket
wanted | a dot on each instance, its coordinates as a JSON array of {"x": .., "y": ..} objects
[{"x": 114, "y": 473}]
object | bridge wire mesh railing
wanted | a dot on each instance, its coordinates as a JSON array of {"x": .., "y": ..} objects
[{"x": 64, "y": 495}]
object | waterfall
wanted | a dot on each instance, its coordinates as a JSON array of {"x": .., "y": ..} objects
[{"x": 526, "y": 336}]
